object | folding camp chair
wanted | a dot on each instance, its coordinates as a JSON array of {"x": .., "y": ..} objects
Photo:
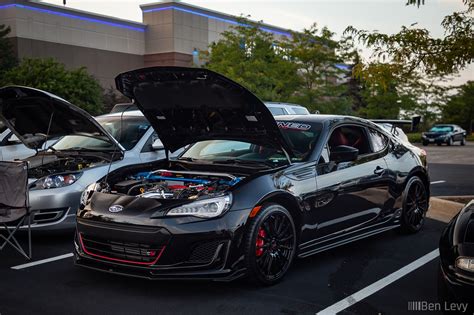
[{"x": 14, "y": 205}]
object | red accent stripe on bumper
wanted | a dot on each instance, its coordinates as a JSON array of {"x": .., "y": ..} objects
[{"x": 121, "y": 260}]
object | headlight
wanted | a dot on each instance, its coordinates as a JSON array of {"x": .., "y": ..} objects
[
  {"x": 465, "y": 263},
  {"x": 207, "y": 208},
  {"x": 57, "y": 181},
  {"x": 87, "y": 194}
]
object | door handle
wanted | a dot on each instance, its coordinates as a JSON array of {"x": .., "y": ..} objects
[{"x": 379, "y": 170}]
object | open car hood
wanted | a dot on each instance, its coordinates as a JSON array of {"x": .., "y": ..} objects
[
  {"x": 187, "y": 105},
  {"x": 31, "y": 113}
]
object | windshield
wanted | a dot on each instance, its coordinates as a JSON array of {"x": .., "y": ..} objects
[
  {"x": 441, "y": 129},
  {"x": 133, "y": 130},
  {"x": 301, "y": 137}
]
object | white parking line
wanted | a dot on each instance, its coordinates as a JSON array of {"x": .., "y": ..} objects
[
  {"x": 43, "y": 261},
  {"x": 438, "y": 182},
  {"x": 378, "y": 285}
]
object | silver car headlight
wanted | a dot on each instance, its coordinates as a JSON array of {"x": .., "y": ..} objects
[
  {"x": 206, "y": 208},
  {"x": 87, "y": 194},
  {"x": 465, "y": 263},
  {"x": 58, "y": 180}
]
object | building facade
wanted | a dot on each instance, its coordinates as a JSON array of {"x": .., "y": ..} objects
[{"x": 171, "y": 33}]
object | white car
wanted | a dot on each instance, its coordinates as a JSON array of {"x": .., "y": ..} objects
[
  {"x": 279, "y": 109},
  {"x": 86, "y": 150}
]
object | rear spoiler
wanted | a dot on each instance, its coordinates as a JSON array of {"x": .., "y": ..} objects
[{"x": 414, "y": 123}]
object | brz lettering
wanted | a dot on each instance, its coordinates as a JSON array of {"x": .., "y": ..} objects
[{"x": 293, "y": 126}]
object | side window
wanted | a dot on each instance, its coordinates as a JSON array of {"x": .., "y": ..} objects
[
  {"x": 379, "y": 141},
  {"x": 277, "y": 111},
  {"x": 352, "y": 136}
]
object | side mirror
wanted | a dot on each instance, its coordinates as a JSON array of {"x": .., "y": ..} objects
[
  {"x": 157, "y": 145},
  {"x": 344, "y": 153}
]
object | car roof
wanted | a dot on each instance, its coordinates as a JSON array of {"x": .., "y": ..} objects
[
  {"x": 320, "y": 118},
  {"x": 275, "y": 104},
  {"x": 132, "y": 113}
]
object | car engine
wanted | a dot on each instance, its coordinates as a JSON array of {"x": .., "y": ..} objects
[
  {"x": 53, "y": 165},
  {"x": 168, "y": 184}
]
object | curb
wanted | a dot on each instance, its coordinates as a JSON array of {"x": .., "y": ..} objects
[{"x": 443, "y": 210}]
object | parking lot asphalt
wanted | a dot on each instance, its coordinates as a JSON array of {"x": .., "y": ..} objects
[
  {"x": 313, "y": 284},
  {"x": 451, "y": 169},
  {"x": 378, "y": 275}
]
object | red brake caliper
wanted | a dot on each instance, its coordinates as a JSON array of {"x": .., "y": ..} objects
[{"x": 259, "y": 243}]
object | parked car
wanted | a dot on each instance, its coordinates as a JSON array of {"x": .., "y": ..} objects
[
  {"x": 85, "y": 152},
  {"x": 11, "y": 148},
  {"x": 448, "y": 134},
  {"x": 251, "y": 193},
  {"x": 278, "y": 109},
  {"x": 128, "y": 107},
  {"x": 456, "y": 249}
]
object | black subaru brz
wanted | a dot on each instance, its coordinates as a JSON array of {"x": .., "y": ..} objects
[{"x": 249, "y": 194}]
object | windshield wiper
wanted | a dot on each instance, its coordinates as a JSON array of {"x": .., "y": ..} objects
[
  {"x": 190, "y": 159},
  {"x": 244, "y": 162}
]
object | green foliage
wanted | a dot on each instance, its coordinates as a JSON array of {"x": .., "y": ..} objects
[
  {"x": 414, "y": 137},
  {"x": 384, "y": 103},
  {"x": 7, "y": 56},
  {"x": 314, "y": 53},
  {"x": 409, "y": 65},
  {"x": 460, "y": 108},
  {"x": 413, "y": 51},
  {"x": 111, "y": 97},
  {"x": 298, "y": 69},
  {"x": 76, "y": 86},
  {"x": 247, "y": 55}
]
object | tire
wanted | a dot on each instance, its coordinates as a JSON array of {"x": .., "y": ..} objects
[
  {"x": 439, "y": 143},
  {"x": 426, "y": 143},
  {"x": 463, "y": 141},
  {"x": 415, "y": 205},
  {"x": 450, "y": 141},
  {"x": 268, "y": 258}
]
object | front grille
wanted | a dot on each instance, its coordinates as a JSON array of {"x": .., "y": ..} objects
[
  {"x": 204, "y": 253},
  {"x": 124, "y": 252}
]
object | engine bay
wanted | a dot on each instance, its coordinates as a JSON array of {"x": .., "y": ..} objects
[
  {"x": 48, "y": 165},
  {"x": 170, "y": 184}
]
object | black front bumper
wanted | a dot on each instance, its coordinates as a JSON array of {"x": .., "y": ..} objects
[
  {"x": 203, "y": 249},
  {"x": 454, "y": 285}
]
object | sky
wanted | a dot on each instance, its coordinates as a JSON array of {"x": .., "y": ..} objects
[{"x": 386, "y": 16}]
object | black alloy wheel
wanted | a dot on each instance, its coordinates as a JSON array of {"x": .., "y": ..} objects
[
  {"x": 270, "y": 244},
  {"x": 415, "y": 205}
]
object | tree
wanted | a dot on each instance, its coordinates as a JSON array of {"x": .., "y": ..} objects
[
  {"x": 460, "y": 108},
  {"x": 111, "y": 97},
  {"x": 314, "y": 53},
  {"x": 76, "y": 86},
  {"x": 7, "y": 56},
  {"x": 413, "y": 52},
  {"x": 249, "y": 56}
]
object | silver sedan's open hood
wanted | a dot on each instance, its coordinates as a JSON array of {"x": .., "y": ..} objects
[
  {"x": 35, "y": 116},
  {"x": 187, "y": 105}
]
